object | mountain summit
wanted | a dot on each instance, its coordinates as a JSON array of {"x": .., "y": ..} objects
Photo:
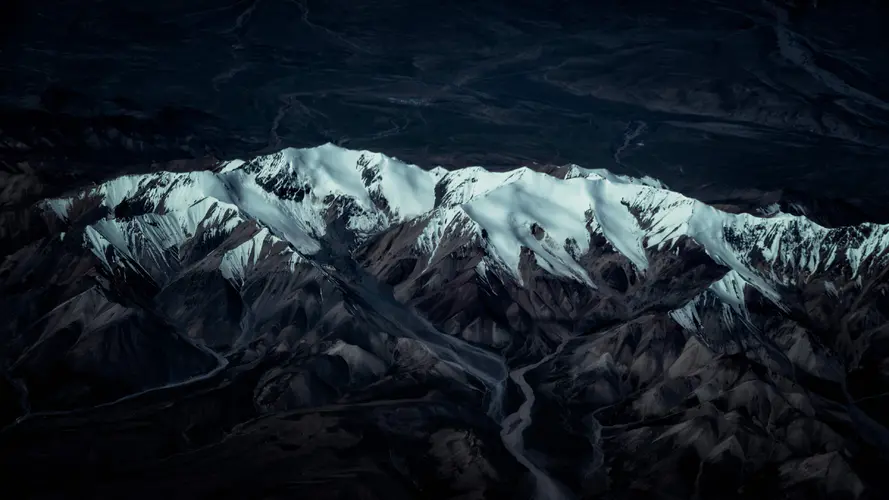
[{"x": 330, "y": 321}]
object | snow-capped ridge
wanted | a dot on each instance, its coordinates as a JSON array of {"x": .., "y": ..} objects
[
  {"x": 576, "y": 171},
  {"x": 297, "y": 194}
]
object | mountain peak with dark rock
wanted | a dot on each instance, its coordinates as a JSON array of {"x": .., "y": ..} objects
[
  {"x": 351, "y": 287},
  {"x": 531, "y": 250}
]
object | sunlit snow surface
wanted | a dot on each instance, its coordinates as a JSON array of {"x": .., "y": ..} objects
[
  {"x": 295, "y": 194},
  {"x": 728, "y": 293}
]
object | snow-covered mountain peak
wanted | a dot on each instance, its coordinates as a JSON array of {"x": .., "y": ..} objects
[
  {"x": 559, "y": 208},
  {"x": 299, "y": 195},
  {"x": 373, "y": 181}
]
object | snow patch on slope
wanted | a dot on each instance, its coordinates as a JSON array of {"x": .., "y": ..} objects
[
  {"x": 443, "y": 225},
  {"x": 172, "y": 191},
  {"x": 60, "y": 207},
  {"x": 156, "y": 237},
  {"x": 291, "y": 221},
  {"x": 727, "y": 293},
  {"x": 507, "y": 214},
  {"x": 506, "y": 205},
  {"x": 618, "y": 223},
  {"x": 236, "y": 263},
  {"x": 408, "y": 189}
]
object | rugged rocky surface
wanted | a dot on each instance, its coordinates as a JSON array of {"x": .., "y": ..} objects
[{"x": 339, "y": 324}]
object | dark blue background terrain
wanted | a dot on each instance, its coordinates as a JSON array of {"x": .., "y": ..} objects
[{"x": 709, "y": 96}]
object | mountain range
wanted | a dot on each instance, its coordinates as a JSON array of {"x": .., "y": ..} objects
[{"x": 342, "y": 324}]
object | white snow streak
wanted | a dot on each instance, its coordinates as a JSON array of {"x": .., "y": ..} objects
[{"x": 728, "y": 293}]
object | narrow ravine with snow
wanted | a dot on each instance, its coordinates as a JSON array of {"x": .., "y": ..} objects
[{"x": 513, "y": 432}]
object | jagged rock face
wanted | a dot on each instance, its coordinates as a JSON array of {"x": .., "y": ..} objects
[{"x": 374, "y": 327}]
